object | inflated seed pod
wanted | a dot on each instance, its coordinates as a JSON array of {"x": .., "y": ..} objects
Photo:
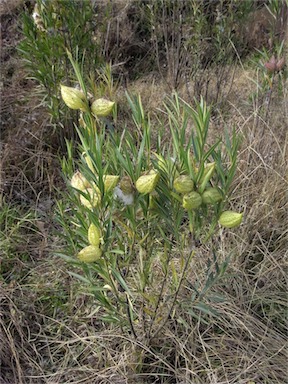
[
  {"x": 192, "y": 200},
  {"x": 207, "y": 174},
  {"x": 94, "y": 200},
  {"x": 74, "y": 98},
  {"x": 110, "y": 182},
  {"x": 102, "y": 107},
  {"x": 183, "y": 184},
  {"x": 94, "y": 235},
  {"x": 230, "y": 219},
  {"x": 211, "y": 196},
  {"x": 78, "y": 181},
  {"x": 147, "y": 183},
  {"x": 90, "y": 254}
]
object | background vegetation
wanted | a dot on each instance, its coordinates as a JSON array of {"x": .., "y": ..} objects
[{"x": 232, "y": 53}]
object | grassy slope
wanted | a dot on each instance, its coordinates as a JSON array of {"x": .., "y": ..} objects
[{"x": 48, "y": 325}]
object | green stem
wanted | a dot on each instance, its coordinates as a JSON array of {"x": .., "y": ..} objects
[
  {"x": 158, "y": 301},
  {"x": 130, "y": 317},
  {"x": 175, "y": 296},
  {"x": 211, "y": 230}
]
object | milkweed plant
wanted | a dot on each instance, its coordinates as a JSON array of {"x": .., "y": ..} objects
[{"x": 139, "y": 210}]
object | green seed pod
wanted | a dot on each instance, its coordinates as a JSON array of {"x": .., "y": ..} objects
[
  {"x": 94, "y": 199},
  {"x": 230, "y": 219},
  {"x": 94, "y": 235},
  {"x": 110, "y": 182},
  {"x": 192, "y": 200},
  {"x": 73, "y": 98},
  {"x": 102, "y": 107},
  {"x": 147, "y": 183},
  {"x": 78, "y": 181},
  {"x": 207, "y": 174},
  {"x": 211, "y": 196},
  {"x": 183, "y": 184},
  {"x": 90, "y": 254}
]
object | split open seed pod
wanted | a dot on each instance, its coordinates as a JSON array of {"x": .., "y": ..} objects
[{"x": 126, "y": 185}]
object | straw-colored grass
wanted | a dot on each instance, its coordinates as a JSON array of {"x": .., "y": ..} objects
[{"x": 50, "y": 331}]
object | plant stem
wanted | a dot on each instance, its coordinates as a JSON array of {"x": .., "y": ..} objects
[
  {"x": 158, "y": 300},
  {"x": 176, "y": 294},
  {"x": 129, "y": 316}
]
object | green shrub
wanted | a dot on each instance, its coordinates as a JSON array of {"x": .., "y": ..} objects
[
  {"x": 133, "y": 224},
  {"x": 188, "y": 37},
  {"x": 55, "y": 27}
]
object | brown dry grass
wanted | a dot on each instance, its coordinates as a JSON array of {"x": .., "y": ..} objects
[
  {"x": 247, "y": 342},
  {"x": 28, "y": 160},
  {"x": 49, "y": 328}
]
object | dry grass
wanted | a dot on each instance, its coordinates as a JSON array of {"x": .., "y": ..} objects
[
  {"x": 52, "y": 335},
  {"x": 29, "y": 163},
  {"x": 49, "y": 327}
]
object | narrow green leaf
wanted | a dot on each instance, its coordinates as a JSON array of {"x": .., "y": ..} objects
[
  {"x": 79, "y": 277},
  {"x": 120, "y": 280}
]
